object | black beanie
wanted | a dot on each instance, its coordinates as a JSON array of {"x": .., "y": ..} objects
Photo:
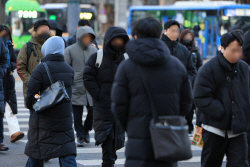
[
  {"x": 39, "y": 23},
  {"x": 246, "y": 42},
  {"x": 171, "y": 22}
]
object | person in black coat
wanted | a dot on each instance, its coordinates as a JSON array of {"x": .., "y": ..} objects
[
  {"x": 130, "y": 103},
  {"x": 221, "y": 93},
  {"x": 187, "y": 39},
  {"x": 3, "y": 69},
  {"x": 98, "y": 82},
  {"x": 50, "y": 132},
  {"x": 72, "y": 39},
  {"x": 246, "y": 58},
  {"x": 9, "y": 88},
  {"x": 170, "y": 38}
]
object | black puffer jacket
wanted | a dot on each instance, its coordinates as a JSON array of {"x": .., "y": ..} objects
[
  {"x": 221, "y": 93},
  {"x": 3, "y": 69},
  {"x": 50, "y": 133},
  {"x": 197, "y": 59},
  {"x": 130, "y": 102},
  {"x": 9, "y": 82},
  {"x": 99, "y": 82},
  {"x": 181, "y": 52}
]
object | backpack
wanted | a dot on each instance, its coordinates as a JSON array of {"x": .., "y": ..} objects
[
  {"x": 99, "y": 58},
  {"x": 29, "y": 50}
]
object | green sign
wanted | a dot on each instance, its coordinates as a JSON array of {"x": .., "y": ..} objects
[{"x": 52, "y": 17}]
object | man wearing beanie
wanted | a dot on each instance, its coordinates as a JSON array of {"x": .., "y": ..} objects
[{"x": 30, "y": 54}]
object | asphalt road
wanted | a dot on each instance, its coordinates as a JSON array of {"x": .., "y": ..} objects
[{"x": 88, "y": 156}]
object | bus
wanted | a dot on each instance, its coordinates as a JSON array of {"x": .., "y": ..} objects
[
  {"x": 21, "y": 15},
  {"x": 213, "y": 18},
  {"x": 58, "y": 12}
]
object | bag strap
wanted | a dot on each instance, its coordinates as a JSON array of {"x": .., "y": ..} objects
[
  {"x": 143, "y": 74},
  {"x": 99, "y": 58},
  {"x": 48, "y": 72}
]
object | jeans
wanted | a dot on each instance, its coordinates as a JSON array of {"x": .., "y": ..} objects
[
  {"x": 67, "y": 161},
  {"x": 216, "y": 147},
  {"x": 1, "y": 130},
  {"x": 79, "y": 128}
]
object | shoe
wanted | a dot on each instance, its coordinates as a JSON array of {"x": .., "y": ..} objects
[
  {"x": 190, "y": 133},
  {"x": 46, "y": 160},
  {"x": 3, "y": 147},
  {"x": 80, "y": 142},
  {"x": 16, "y": 136},
  {"x": 87, "y": 137}
]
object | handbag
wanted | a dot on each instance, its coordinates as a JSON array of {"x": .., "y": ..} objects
[
  {"x": 197, "y": 137},
  {"x": 51, "y": 96},
  {"x": 169, "y": 134}
]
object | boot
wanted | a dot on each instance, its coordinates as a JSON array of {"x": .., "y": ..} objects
[
  {"x": 80, "y": 142},
  {"x": 16, "y": 136},
  {"x": 3, "y": 147}
]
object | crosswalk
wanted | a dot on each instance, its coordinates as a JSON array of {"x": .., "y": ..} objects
[{"x": 90, "y": 155}]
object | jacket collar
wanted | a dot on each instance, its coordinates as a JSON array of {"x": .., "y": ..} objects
[
  {"x": 53, "y": 57},
  {"x": 226, "y": 65},
  {"x": 168, "y": 42}
]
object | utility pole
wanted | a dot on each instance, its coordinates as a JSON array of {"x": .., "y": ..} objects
[
  {"x": 2, "y": 11},
  {"x": 121, "y": 8},
  {"x": 73, "y": 15}
]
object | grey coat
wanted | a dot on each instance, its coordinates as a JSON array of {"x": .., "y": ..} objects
[{"x": 76, "y": 56}]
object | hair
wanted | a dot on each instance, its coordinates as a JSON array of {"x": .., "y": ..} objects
[
  {"x": 170, "y": 23},
  {"x": 84, "y": 23},
  {"x": 183, "y": 34},
  {"x": 227, "y": 38},
  {"x": 147, "y": 27},
  {"x": 4, "y": 27}
]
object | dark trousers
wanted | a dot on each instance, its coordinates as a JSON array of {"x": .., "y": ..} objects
[
  {"x": 88, "y": 123},
  {"x": 67, "y": 161},
  {"x": 1, "y": 130},
  {"x": 189, "y": 119},
  {"x": 108, "y": 150},
  {"x": 216, "y": 147}
]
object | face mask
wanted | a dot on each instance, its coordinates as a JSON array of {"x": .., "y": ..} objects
[
  {"x": 187, "y": 42},
  {"x": 44, "y": 36},
  {"x": 117, "y": 48}
]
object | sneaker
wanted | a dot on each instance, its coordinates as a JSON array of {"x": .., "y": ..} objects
[
  {"x": 87, "y": 137},
  {"x": 80, "y": 142},
  {"x": 3, "y": 147},
  {"x": 16, "y": 136}
]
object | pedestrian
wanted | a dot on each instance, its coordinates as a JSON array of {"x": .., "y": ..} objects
[
  {"x": 130, "y": 102},
  {"x": 30, "y": 54},
  {"x": 170, "y": 38},
  {"x": 50, "y": 132},
  {"x": 98, "y": 80},
  {"x": 187, "y": 39},
  {"x": 82, "y": 23},
  {"x": 221, "y": 93},
  {"x": 3, "y": 70},
  {"x": 9, "y": 88},
  {"x": 246, "y": 58},
  {"x": 54, "y": 27},
  {"x": 77, "y": 56}
]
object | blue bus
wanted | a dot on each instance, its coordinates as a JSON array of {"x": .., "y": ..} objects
[{"x": 212, "y": 18}]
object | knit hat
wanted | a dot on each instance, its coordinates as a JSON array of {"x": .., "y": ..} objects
[
  {"x": 246, "y": 42},
  {"x": 171, "y": 22},
  {"x": 53, "y": 45},
  {"x": 39, "y": 23}
]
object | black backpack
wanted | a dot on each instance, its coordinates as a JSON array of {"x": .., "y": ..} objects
[{"x": 30, "y": 49}]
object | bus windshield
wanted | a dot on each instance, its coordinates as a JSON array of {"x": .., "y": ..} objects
[{"x": 22, "y": 21}]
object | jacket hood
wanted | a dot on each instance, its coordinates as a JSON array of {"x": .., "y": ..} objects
[
  {"x": 53, "y": 45},
  {"x": 81, "y": 31},
  {"x": 148, "y": 51},
  {"x": 53, "y": 25},
  {"x": 111, "y": 33}
]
